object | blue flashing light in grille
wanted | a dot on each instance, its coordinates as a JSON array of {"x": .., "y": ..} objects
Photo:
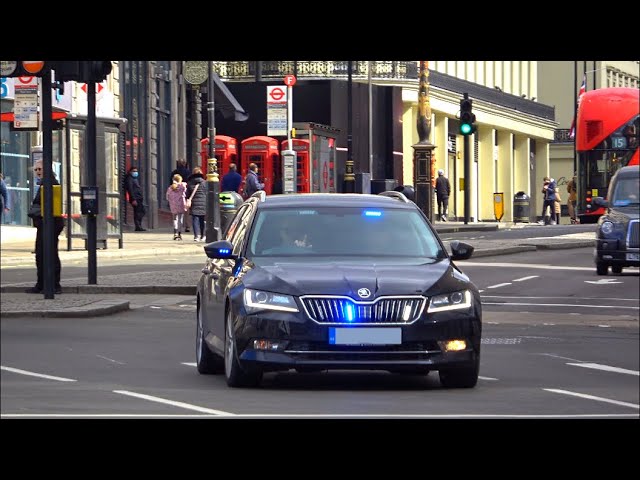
[
  {"x": 349, "y": 312},
  {"x": 372, "y": 213}
]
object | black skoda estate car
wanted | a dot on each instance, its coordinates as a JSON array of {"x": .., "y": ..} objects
[
  {"x": 618, "y": 233},
  {"x": 316, "y": 282}
]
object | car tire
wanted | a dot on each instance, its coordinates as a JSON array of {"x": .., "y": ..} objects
[
  {"x": 601, "y": 268},
  {"x": 466, "y": 377},
  {"x": 207, "y": 362},
  {"x": 236, "y": 376},
  {"x": 617, "y": 269}
]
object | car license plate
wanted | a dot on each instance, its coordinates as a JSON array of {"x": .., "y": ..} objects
[
  {"x": 634, "y": 257},
  {"x": 365, "y": 336}
]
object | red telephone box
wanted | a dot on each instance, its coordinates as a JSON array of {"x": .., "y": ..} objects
[
  {"x": 225, "y": 150},
  {"x": 264, "y": 152},
  {"x": 303, "y": 167}
]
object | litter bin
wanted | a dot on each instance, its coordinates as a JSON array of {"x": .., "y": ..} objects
[
  {"x": 521, "y": 208},
  {"x": 229, "y": 204}
]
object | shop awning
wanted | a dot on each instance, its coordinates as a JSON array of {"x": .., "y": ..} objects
[{"x": 226, "y": 103}]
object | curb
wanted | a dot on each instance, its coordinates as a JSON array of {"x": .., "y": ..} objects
[
  {"x": 503, "y": 251},
  {"x": 124, "y": 289},
  {"x": 96, "y": 309},
  {"x": 465, "y": 228},
  {"x": 562, "y": 246}
]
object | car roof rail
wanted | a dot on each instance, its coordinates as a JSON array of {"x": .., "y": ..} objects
[
  {"x": 393, "y": 194},
  {"x": 260, "y": 195}
]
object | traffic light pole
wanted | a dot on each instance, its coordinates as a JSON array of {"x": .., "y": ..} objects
[
  {"x": 349, "y": 176},
  {"x": 467, "y": 179},
  {"x": 92, "y": 179},
  {"x": 213, "y": 181},
  {"x": 46, "y": 196}
]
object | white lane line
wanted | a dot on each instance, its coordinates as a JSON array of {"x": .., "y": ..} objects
[
  {"x": 634, "y": 300},
  {"x": 572, "y": 305},
  {"x": 480, "y": 291},
  {"x": 188, "y": 406},
  {"x": 110, "y": 360},
  {"x": 606, "y": 368},
  {"x": 592, "y": 397},
  {"x": 500, "y": 285},
  {"x": 559, "y": 356},
  {"x": 40, "y": 375},
  {"x": 189, "y": 364},
  {"x": 526, "y": 265},
  {"x": 310, "y": 415},
  {"x": 526, "y": 278},
  {"x": 487, "y": 378}
]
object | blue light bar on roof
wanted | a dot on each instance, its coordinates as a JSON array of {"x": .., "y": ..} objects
[{"x": 372, "y": 213}]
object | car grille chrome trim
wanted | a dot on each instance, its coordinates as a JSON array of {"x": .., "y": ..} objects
[
  {"x": 633, "y": 234},
  {"x": 388, "y": 310}
]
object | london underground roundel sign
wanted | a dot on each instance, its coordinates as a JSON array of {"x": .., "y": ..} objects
[{"x": 7, "y": 67}]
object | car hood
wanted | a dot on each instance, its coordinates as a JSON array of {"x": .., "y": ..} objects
[
  {"x": 624, "y": 214},
  {"x": 340, "y": 279}
]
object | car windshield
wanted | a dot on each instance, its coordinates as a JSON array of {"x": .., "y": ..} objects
[
  {"x": 627, "y": 192},
  {"x": 342, "y": 231}
]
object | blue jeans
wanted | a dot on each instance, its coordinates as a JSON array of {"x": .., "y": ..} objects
[{"x": 198, "y": 226}]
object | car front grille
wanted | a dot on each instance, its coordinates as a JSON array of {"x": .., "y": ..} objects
[
  {"x": 344, "y": 310},
  {"x": 633, "y": 235}
]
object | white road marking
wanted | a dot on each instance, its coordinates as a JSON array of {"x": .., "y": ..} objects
[
  {"x": 110, "y": 360},
  {"x": 606, "y": 368},
  {"x": 526, "y": 278},
  {"x": 604, "y": 326},
  {"x": 558, "y": 356},
  {"x": 592, "y": 397},
  {"x": 40, "y": 375},
  {"x": 572, "y": 305},
  {"x": 310, "y": 415},
  {"x": 603, "y": 281},
  {"x": 487, "y": 378},
  {"x": 188, "y": 406},
  {"x": 153, "y": 306},
  {"x": 527, "y": 265},
  {"x": 189, "y": 364},
  {"x": 500, "y": 285}
]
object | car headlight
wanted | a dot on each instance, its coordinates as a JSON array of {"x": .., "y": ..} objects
[
  {"x": 256, "y": 300},
  {"x": 450, "y": 301},
  {"x": 607, "y": 228}
]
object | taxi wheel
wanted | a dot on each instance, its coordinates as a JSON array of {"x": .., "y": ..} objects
[
  {"x": 617, "y": 269},
  {"x": 460, "y": 377},
  {"x": 206, "y": 360},
  {"x": 236, "y": 376},
  {"x": 601, "y": 268}
]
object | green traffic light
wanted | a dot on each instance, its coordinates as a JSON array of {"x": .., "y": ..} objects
[{"x": 465, "y": 129}]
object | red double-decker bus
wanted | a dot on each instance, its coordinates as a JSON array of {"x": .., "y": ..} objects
[{"x": 607, "y": 132}]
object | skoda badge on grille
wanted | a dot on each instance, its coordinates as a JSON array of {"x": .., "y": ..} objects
[{"x": 364, "y": 293}]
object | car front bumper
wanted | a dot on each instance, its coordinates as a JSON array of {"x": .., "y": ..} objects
[{"x": 614, "y": 252}]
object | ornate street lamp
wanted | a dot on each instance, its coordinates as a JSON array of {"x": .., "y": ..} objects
[
  {"x": 349, "y": 176},
  {"x": 423, "y": 160}
]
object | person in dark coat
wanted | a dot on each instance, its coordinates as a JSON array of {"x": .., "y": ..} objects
[
  {"x": 252, "y": 183},
  {"x": 134, "y": 190},
  {"x": 197, "y": 192},
  {"x": 38, "y": 222},
  {"x": 443, "y": 190},
  {"x": 232, "y": 180}
]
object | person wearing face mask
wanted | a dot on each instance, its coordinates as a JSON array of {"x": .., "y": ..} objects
[
  {"x": 134, "y": 191},
  {"x": 58, "y": 225}
]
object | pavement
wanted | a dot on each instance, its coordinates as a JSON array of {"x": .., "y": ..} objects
[{"x": 117, "y": 293}]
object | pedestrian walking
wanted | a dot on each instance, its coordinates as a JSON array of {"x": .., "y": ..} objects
[
  {"x": 252, "y": 182},
  {"x": 558, "y": 205},
  {"x": 197, "y": 202},
  {"x": 4, "y": 199},
  {"x": 443, "y": 190},
  {"x": 176, "y": 196},
  {"x": 573, "y": 198},
  {"x": 38, "y": 222},
  {"x": 136, "y": 199},
  {"x": 232, "y": 179},
  {"x": 182, "y": 169},
  {"x": 549, "y": 192}
]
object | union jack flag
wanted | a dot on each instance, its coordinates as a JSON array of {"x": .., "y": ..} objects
[{"x": 583, "y": 88}]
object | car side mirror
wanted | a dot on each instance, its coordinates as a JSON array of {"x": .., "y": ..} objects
[
  {"x": 461, "y": 250},
  {"x": 220, "y": 249},
  {"x": 600, "y": 202}
]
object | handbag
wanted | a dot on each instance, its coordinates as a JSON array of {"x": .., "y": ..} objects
[{"x": 188, "y": 201}]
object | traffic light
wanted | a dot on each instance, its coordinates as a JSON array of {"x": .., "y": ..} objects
[
  {"x": 23, "y": 68},
  {"x": 467, "y": 118},
  {"x": 83, "y": 72}
]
